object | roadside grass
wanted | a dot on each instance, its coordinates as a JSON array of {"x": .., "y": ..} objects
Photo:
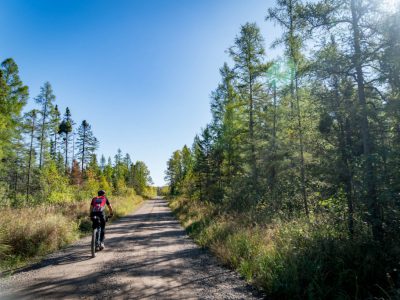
[
  {"x": 295, "y": 259},
  {"x": 29, "y": 233}
]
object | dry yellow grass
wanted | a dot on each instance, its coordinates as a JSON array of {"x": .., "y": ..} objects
[
  {"x": 292, "y": 259},
  {"x": 30, "y": 232}
]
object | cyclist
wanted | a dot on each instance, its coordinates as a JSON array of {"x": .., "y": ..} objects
[{"x": 97, "y": 207}]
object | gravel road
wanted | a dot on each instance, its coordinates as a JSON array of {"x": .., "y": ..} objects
[{"x": 148, "y": 256}]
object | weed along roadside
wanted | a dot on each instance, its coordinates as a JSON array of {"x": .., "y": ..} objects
[
  {"x": 285, "y": 260},
  {"x": 148, "y": 255},
  {"x": 28, "y": 234},
  {"x": 291, "y": 177}
]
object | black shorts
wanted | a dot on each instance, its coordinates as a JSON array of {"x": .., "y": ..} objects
[{"x": 101, "y": 216}]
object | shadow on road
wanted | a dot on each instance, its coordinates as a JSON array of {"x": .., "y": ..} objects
[{"x": 148, "y": 245}]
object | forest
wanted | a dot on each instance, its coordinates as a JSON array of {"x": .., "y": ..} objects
[
  {"x": 295, "y": 182},
  {"x": 49, "y": 171}
]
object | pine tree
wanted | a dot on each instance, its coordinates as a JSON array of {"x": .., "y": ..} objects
[
  {"x": 31, "y": 128},
  {"x": 54, "y": 125},
  {"x": 287, "y": 15},
  {"x": 13, "y": 97},
  {"x": 352, "y": 22},
  {"x": 76, "y": 174},
  {"x": 86, "y": 143},
  {"x": 102, "y": 162},
  {"x": 173, "y": 174},
  {"x": 65, "y": 129},
  {"x": 141, "y": 177},
  {"x": 228, "y": 127},
  {"x": 93, "y": 165},
  {"x": 45, "y": 99},
  {"x": 248, "y": 55}
]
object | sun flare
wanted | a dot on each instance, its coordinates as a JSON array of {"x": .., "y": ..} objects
[{"x": 390, "y": 6}]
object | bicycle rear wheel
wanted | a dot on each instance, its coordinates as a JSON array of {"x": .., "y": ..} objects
[{"x": 94, "y": 241}]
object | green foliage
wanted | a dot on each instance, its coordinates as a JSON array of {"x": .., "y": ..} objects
[
  {"x": 86, "y": 143},
  {"x": 140, "y": 177},
  {"x": 150, "y": 192},
  {"x": 38, "y": 150},
  {"x": 28, "y": 233},
  {"x": 13, "y": 97},
  {"x": 303, "y": 149},
  {"x": 45, "y": 100},
  {"x": 44, "y": 191},
  {"x": 123, "y": 205},
  {"x": 54, "y": 186},
  {"x": 296, "y": 259},
  {"x": 163, "y": 191}
]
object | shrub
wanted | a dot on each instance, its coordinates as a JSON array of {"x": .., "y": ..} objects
[
  {"x": 30, "y": 232},
  {"x": 33, "y": 231},
  {"x": 54, "y": 186},
  {"x": 297, "y": 259}
]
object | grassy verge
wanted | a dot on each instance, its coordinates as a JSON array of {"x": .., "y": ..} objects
[
  {"x": 27, "y": 234},
  {"x": 295, "y": 259}
]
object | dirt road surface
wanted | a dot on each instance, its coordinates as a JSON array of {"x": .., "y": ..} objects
[{"x": 148, "y": 256}]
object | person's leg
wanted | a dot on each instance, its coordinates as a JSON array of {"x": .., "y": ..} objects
[{"x": 103, "y": 230}]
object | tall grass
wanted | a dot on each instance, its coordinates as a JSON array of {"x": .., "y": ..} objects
[
  {"x": 297, "y": 259},
  {"x": 31, "y": 232}
]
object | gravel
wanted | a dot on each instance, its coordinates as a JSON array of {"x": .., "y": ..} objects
[{"x": 148, "y": 256}]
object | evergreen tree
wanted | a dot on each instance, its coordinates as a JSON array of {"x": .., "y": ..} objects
[
  {"x": 287, "y": 15},
  {"x": 141, "y": 177},
  {"x": 45, "y": 99},
  {"x": 173, "y": 174},
  {"x": 76, "y": 173},
  {"x": 351, "y": 22},
  {"x": 102, "y": 162},
  {"x": 86, "y": 143},
  {"x": 108, "y": 172},
  {"x": 93, "y": 165},
  {"x": 248, "y": 56},
  {"x": 55, "y": 123},
  {"x": 13, "y": 97},
  {"x": 65, "y": 129},
  {"x": 31, "y": 127}
]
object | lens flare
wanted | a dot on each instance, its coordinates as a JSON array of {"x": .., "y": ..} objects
[{"x": 390, "y": 6}]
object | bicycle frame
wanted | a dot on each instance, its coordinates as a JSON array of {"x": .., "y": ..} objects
[
  {"x": 96, "y": 233},
  {"x": 96, "y": 226}
]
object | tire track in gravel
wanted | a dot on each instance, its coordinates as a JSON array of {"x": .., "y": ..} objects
[{"x": 148, "y": 256}]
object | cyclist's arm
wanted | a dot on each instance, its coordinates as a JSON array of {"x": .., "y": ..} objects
[
  {"x": 110, "y": 209},
  {"x": 91, "y": 208}
]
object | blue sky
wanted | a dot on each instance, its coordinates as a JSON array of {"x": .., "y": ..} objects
[{"x": 140, "y": 72}]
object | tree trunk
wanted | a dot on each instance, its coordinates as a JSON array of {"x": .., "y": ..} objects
[
  {"x": 294, "y": 87},
  {"x": 66, "y": 152},
  {"x": 16, "y": 177},
  {"x": 273, "y": 160},
  {"x": 42, "y": 134},
  {"x": 301, "y": 142},
  {"x": 251, "y": 133},
  {"x": 373, "y": 205},
  {"x": 55, "y": 144},
  {"x": 83, "y": 147},
  {"x": 347, "y": 174},
  {"x": 30, "y": 160},
  {"x": 345, "y": 160},
  {"x": 73, "y": 148}
]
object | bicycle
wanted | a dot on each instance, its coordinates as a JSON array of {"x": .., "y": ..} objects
[{"x": 96, "y": 233}]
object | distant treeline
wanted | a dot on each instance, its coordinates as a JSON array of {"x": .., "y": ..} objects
[
  {"x": 313, "y": 136},
  {"x": 46, "y": 157}
]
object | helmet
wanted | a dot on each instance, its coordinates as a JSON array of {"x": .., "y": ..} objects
[{"x": 101, "y": 193}]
